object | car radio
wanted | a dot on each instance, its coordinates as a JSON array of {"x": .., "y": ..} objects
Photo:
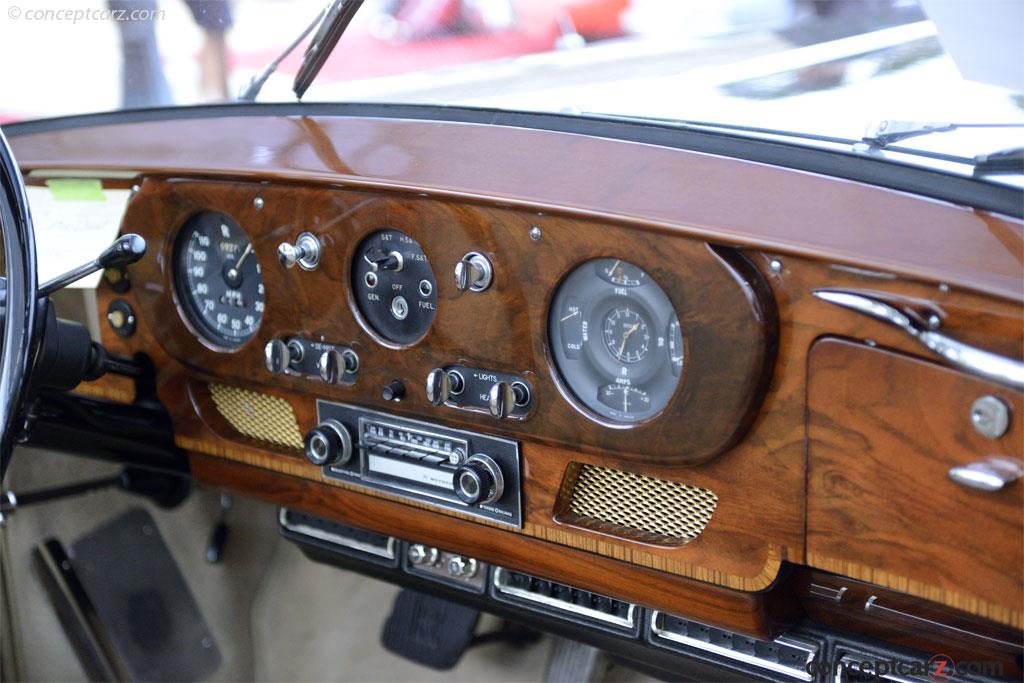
[{"x": 471, "y": 473}]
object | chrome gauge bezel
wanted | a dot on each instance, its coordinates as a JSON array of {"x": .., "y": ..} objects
[
  {"x": 583, "y": 360},
  {"x": 185, "y": 301}
]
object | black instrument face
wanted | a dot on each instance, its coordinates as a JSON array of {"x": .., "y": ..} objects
[
  {"x": 394, "y": 286},
  {"x": 616, "y": 341},
  {"x": 218, "y": 279}
]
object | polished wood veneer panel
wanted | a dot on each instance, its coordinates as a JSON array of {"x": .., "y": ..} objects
[
  {"x": 761, "y": 615},
  {"x": 884, "y": 430},
  {"x": 727, "y": 318}
]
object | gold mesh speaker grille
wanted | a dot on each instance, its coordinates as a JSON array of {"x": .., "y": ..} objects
[
  {"x": 639, "y": 507},
  {"x": 259, "y": 416}
]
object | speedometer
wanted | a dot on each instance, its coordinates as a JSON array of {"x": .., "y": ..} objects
[
  {"x": 218, "y": 279},
  {"x": 616, "y": 341}
]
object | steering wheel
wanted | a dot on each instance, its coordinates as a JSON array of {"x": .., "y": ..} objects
[{"x": 20, "y": 310}]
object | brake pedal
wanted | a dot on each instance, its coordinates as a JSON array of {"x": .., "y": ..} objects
[{"x": 428, "y": 630}]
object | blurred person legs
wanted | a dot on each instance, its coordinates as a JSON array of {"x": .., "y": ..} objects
[
  {"x": 143, "y": 83},
  {"x": 214, "y": 17}
]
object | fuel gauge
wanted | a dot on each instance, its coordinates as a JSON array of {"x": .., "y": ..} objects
[{"x": 675, "y": 346}]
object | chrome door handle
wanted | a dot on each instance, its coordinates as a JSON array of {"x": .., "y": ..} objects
[
  {"x": 978, "y": 362},
  {"x": 990, "y": 474}
]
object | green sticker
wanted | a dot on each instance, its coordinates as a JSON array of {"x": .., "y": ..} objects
[{"x": 76, "y": 189}]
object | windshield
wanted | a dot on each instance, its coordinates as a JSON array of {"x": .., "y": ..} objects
[{"x": 815, "y": 67}]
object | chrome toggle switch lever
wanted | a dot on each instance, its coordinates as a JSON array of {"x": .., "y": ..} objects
[
  {"x": 384, "y": 260},
  {"x": 305, "y": 252}
]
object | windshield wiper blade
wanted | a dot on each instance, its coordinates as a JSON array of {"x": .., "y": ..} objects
[
  {"x": 1007, "y": 161},
  {"x": 256, "y": 84},
  {"x": 885, "y": 132},
  {"x": 339, "y": 14}
]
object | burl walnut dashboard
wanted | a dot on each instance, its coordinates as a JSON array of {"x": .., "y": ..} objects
[{"x": 597, "y": 361}]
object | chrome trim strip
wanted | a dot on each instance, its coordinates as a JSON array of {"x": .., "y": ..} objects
[
  {"x": 501, "y": 586},
  {"x": 975, "y": 361},
  {"x": 387, "y": 552},
  {"x": 789, "y": 641}
]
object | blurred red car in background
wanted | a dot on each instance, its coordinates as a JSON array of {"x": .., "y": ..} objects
[{"x": 416, "y": 35}]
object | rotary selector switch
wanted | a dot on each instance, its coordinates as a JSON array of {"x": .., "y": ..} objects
[{"x": 394, "y": 286}]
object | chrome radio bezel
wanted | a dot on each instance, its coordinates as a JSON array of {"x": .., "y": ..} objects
[{"x": 506, "y": 511}]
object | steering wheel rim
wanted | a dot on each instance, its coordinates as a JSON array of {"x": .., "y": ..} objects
[{"x": 19, "y": 326}]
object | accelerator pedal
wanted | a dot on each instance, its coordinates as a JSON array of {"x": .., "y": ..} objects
[{"x": 428, "y": 630}]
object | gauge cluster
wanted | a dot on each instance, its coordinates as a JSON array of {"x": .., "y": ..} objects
[
  {"x": 484, "y": 316},
  {"x": 616, "y": 341}
]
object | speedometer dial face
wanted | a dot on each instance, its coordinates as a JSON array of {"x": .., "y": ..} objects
[
  {"x": 616, "y": 341},
  {"x": 218, "y": 279}
]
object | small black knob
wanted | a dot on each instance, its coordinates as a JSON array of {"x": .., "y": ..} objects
[
  {"x": 393, "y": 391},
  {"x": 328, "y": 443}
]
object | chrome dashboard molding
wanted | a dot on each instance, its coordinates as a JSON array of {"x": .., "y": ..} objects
[
  {"x": 501, "y": 586},
  {"x": 388, "y": 552},
  {"x": 800, "y": 673},
  {"x": 975, "y": 361}
]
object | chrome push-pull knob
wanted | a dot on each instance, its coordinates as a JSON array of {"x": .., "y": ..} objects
[
  {"x": 439, "y": 386},
  {"x": 277, "y": 356},
  {"x": 334, "y": 363},
  {"x": 305, "y": 252},
  {"x": 990, "y": 474},
  {"x": 505, "y": 397},
  {"x": 473, "y": 273}
]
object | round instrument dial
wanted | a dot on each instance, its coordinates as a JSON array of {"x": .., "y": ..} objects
[
  {"x": 616, "y": 341},
  {"x": 626, "y": 335},
  {"x": 218, "y": 279},
  {"x": 394, "y": 286}
]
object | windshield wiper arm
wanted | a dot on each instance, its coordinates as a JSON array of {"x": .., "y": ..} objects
[
  {"x": 1007, "y": 161},
  {"x": 256, "y": 84},
  {"x": 885, "y": 132},
  {"x": 339, "y": 14}
]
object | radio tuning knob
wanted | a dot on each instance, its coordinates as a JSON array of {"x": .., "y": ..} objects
[
  {"x": 473, "y": 273},
  {"x": 277, "y": 356},
  {"x": 439, "y": 386},
  {"x": 329, "y": 443},
  {"x": 479, "y": 481}
]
